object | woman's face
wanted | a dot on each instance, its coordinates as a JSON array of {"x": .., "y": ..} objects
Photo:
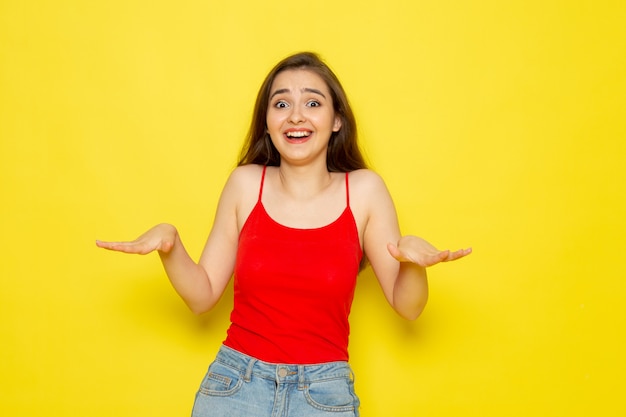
[{"x": 300, "y": 117}]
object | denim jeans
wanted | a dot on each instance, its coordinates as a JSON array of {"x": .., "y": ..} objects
[{"x": 237, "y": 385}]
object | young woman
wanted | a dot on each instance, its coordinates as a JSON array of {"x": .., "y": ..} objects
[{"x": 294, "y": 223}]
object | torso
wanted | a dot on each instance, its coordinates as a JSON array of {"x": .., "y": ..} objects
[
  {"x": 316, "y": 211},
  {"x": 295, "y": 273}
]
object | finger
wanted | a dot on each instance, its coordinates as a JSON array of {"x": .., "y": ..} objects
[
  {"x": 459, "y": 254},
  {"x": 465, "y": 252},
  {"x": 398, "y": 254},
  {"x": 434, "y": 259},
  {"x": 442, "y": 255},
  {"x": 105, "y": 245},
  {"x": 126, "y": 247},
  {"x": 394, "y": 251}
]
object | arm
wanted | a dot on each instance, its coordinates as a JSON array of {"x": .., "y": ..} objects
[
  {"x": 201, "y": 284},
  {"x": 399, "y": 262}
]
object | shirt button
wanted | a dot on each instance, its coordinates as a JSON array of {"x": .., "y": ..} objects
[{"x": 282, "y": 372}]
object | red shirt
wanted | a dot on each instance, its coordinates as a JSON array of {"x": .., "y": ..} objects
[{"x": 294, "y": 288}]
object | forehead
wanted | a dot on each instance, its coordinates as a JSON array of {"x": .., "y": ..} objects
[{"x": 297, "y": 79}]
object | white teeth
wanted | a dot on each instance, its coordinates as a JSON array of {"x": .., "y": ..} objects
[{"x": 299, "y": 134}]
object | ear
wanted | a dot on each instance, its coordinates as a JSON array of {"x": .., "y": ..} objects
[{"x": 337, "y": 124}]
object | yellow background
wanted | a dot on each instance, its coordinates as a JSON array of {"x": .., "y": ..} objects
[{"x": 498, "y": 125}]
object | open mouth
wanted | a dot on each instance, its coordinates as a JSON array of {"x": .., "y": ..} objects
[{"x": 298, "y": 134}]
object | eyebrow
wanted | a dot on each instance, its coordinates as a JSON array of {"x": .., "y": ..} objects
[{"x": 304, "y": 90}]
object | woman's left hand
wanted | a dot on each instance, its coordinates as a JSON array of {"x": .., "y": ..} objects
[{"x": 418, "y": 251}]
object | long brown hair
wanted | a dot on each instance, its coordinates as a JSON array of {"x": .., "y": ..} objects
[{"x": 343, "y": 154}]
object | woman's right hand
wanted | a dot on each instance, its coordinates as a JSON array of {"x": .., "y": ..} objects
[{"x": 160, "y": 238}]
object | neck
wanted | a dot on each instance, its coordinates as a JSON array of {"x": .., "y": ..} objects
[{"x": 304, "y": 181}]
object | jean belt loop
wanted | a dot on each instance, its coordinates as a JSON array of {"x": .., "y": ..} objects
[
  {"x": 248, "y": 374},
  {"x": 300, "y": 377}
]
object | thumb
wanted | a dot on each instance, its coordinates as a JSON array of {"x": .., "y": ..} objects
[
  {"x": 165, "y": 246},
  {"x": 394, "y": 251}
]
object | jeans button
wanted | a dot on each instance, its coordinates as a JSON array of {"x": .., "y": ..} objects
[{"x": 282, "y": 372}]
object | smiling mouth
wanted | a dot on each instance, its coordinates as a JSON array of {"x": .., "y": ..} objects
[{"x": 298, "y": 134}]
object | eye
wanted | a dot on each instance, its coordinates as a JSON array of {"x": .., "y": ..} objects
[
  {"x": 281, "y": 104},
  {"x": 313, "y": 103}
]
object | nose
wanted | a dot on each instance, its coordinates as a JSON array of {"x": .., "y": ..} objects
[{"x": 296, "y": 115}]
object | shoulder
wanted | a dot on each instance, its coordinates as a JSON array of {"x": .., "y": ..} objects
[
  {"x": 372, "y": 206},
  {"x": 241, "y": 192},
  {"x": 365, "y": 182},
  {"x": 369, "y": 195},
  {"x": 244, "y": 177},
  {"x": 248, "y": 171},
  {"x": 242, "y": 184}
]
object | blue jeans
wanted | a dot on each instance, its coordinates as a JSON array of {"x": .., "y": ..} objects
[{"x": 238, "y": 385}]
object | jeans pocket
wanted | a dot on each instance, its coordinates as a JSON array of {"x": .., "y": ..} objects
[
  {"x": 332, "y": 395},
  {"x": 221, "y": 380}
]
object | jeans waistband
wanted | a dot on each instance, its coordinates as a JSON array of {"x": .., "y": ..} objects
[{"x": 283, "y": 373}]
